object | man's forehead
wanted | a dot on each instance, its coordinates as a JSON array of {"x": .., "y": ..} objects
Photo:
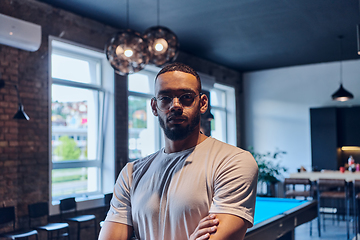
[
  {"x": 176, "y": 75},
  {"x": 176, "y": 79}
]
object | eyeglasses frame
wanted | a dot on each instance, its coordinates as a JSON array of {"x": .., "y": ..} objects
[{"x": 178, "y": 97}]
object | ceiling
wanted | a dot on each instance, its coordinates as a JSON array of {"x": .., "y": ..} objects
[{"x": 244, "y": 35}]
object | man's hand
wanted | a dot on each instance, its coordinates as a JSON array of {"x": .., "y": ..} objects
[{"x": 206, "y": 226}]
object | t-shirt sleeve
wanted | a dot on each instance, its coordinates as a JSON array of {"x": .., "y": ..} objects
[
  {"x": 235, "y": 184},
  {"x": 120, "y": 205}
]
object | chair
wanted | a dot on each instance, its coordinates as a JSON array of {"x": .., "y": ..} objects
[
  {"x": 37, "y": 211},
  {"x": 291, "y": 190},
  {"x": 333, "y": 189},
  {"x": 107, "y": 200},
  {"x": 69, "y": 205},
  {"x": 356, "y": 207},
  {"x": 7, "y": 216}
]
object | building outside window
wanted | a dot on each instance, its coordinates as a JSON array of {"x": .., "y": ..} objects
[{"x": 82, "y": 121}]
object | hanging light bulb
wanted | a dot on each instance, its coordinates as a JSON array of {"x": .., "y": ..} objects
[
  {"x": 127, "y": 52},
  {"x": 341, "y": 94},
  {"x": 163, "y": 43}
]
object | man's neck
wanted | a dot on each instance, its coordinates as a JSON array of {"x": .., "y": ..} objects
[{"x": 191, "y": 141}]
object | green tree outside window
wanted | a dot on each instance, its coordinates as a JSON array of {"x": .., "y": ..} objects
[{"x": 67, "y": 149}]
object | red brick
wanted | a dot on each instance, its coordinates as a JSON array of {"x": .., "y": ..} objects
[
  {"x": 4, "y": 143},
  {"x": 13, "y": 130},
  {"x": 10, "y": 163},
  {"x": 13, "y": 143},
  {"x": 9, "y": 98},
  {"x": 4, "y": 104},
  {"x": 11, "y": 123},
  {"x": 11, "y": 137},
  {"x": 4, "y": 117}
]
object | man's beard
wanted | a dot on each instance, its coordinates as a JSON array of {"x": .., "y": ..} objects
[{"x": 178, "y": 132}]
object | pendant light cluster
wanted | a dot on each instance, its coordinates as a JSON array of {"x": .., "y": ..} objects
[
  {"x": 128, "y": 51},
  {"x": 341, "y": 94}
]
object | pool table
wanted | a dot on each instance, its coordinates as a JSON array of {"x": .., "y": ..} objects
[{"x": 276, "y": 218}]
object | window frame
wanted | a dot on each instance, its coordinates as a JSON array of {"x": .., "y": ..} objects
[
  {"x": 105, "y": 105},
  {"x": 229, "y": 109},
  {"x": 150, "y": 71}
]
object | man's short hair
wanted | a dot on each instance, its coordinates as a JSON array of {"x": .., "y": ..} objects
[{"x": 176, "y": 66}]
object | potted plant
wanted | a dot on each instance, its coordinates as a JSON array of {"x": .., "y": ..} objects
[{"x": 270, "y": 169}]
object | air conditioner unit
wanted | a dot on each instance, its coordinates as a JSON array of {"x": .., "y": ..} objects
[{"x": 19, "y": 34}]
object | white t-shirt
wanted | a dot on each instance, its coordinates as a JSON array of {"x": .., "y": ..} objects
[{"x": 164, "y": 196}]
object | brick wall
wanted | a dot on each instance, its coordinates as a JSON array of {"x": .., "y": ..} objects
[{"x": 24, "y": 145}]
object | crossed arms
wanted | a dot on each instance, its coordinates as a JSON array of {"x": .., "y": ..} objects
[{"x": 214, "y": 227}]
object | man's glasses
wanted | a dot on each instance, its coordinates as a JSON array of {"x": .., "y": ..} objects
[{"x": 186, "y": 100}]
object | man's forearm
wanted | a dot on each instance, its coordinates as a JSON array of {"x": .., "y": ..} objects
[
  {"x": 115, "y": 231},
  {"x": 230, "y": 227}
]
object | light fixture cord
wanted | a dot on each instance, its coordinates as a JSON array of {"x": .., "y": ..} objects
[
  {"x": 158, "y": 12},
  {"x": 341, "y": 53},
  {"x": 18, "y": 95},
  {"x": 127, "y": 14},
  {"x": 358, "y": 34},
  {"x": 341, "y": 72}
]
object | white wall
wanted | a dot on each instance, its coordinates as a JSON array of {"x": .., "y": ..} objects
[{"x": 278, "y": 102}]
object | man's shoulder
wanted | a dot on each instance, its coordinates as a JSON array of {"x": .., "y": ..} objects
[
  {"x": 224, "y": 152},
  {"x": 219, "y": 145}
]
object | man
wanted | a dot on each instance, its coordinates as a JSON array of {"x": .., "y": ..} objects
[{"x": 196, "y": 187}]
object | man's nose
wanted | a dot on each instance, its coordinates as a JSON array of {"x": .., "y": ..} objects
[{"x": 175, "y": 104}]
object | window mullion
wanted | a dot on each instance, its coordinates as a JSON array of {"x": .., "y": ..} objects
[
  {"x": 143, "y": 95},
  {"x": 76, "y": 164},
  {"x": 63, "y": 82}
]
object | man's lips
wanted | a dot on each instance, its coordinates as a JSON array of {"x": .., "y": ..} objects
[{"x": 176, "y": 120}]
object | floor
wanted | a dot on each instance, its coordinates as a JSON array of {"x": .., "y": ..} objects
[{"x": 333, "y": 231}]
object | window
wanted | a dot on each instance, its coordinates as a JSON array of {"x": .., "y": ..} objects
[
  {"x": 223, "y": 108},
  {"x": 82, "y": 121},
  {"x": 144, "y": 130}
]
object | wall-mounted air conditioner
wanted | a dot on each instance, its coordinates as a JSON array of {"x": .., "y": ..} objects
[{"x": 19, "y": 34}]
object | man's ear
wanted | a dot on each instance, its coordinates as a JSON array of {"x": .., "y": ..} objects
[
  {"x": 153, "y": 107},
  {"x": 204, "y": 101}
]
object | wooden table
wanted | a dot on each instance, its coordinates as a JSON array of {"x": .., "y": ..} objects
[{"x": 314, "y": 176}]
